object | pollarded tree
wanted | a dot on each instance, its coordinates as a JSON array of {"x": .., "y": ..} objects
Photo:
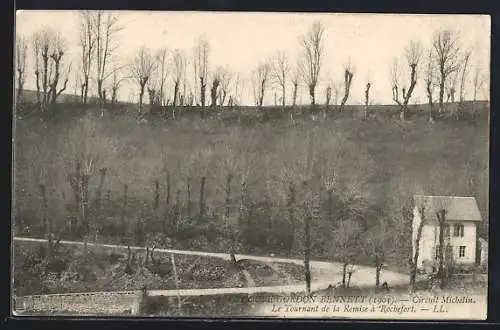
[
  {"x": 115, "y": 85},
  {"x": 161, "y": 64},
  {"x": 369, "y": 84},
  {"x": 295, "y": 85},
  {"x": 430, "y": 80},
  {"x": 87, "y": 43},
  {"x": 464, "y": 74},
  {"x": 201, "y": 57},
  {"x": 348, "y": 75},
  {"x": 312, "y": 44},
  {"x": 21, "y": 55},
  {"x": 347, "y": 245},
  {"x": 104, "y": 29},
  {"x": 280, "y": 71},
  {"x": 141, "y": 69},
  {"x": 214, "y": 89},
  {"x": 446, "y": 51},
  {"x": 49, "y": 50},
  {"x": 260, "y": 81},
  {"x": 178, "y": 66},
  {"x": 226, "y": 79},
  {"x": 413, "y": 54},
  {"x": 478, "y": 80}
]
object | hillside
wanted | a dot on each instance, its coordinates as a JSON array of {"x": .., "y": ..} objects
[{"x": 378, "y": 163}]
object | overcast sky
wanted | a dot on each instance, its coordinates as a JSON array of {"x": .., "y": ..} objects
[{"x": 241, "y": 40}]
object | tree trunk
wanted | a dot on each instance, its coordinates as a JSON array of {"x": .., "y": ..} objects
[
  {"x": 86, "y": 89},
  {"x": 294, "y": 98},
  {"x": 102, "y": 173},
  {"x": 349, "y": 276},
  {"x": 177, "y": 214},
  {"x": 402, "y": 113},
  {"x": 156, "y": 198},
  {"x": 202, "y": 200},
  {"x": 307, "y": 251},
  {"x": 283, "y": 98},
  {"x": 414, "y": 260},
  {"x": 441, "y": 215},
  {"x": 344, "y": 274},
  {"x": 228, "y": 224},
  {"x": 45, "y": 221},
  {"x": 378, "y": 267},
  {"x": 203, "y": 88},
  {"x": 141, "y": 95},
  {"x": 441, "y": 89},
  {"x": 84, "y": 200},
  {"x": 312, "y": 88},
  {"x": 213, "y": 93},
  {"x": 124, "y": 210},
  {"x": 189, "y": 197},
  {"x": 176, "y": 92},
  {"x": 291, "y": 212}
]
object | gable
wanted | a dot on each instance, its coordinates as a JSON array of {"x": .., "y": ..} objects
[{"x": 457, "y": 208}]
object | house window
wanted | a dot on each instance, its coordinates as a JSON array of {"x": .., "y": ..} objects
[
  {"x": 461, "y": 251},
  {"x": 447, "y": 231},
  {"x": 458, "y": 230}
]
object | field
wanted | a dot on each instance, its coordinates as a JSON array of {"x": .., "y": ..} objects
[
  {"x": 222, "y": 179},
  {"x": 74, "y": 270}
]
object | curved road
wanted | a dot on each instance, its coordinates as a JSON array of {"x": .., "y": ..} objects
[{"x": 323, "y": 273}]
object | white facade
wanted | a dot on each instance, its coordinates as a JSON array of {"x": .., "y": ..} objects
[{"x": 460, "y": 235}]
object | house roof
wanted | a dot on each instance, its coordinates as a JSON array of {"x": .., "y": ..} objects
[{"x": 457, "y": 208}]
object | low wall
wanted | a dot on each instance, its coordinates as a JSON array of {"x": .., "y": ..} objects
[{"x": 124, "y": 302}]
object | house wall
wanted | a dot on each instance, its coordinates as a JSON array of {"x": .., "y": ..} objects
[
  {"x": 94, "y": 303},
  {"x": 430, "y": 238}
]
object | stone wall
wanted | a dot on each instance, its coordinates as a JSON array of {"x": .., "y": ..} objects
[{"x": 93, "y": 303}]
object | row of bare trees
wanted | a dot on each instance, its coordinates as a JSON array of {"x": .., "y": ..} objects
[{"x": 445, "y": 66}]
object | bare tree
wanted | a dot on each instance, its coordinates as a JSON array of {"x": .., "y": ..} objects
[
  {"x": 328, "y": 95},
  {"x": 179, "y": 63},
  {"x": 49, "y": 50},
  {"x": 464, "y": 73},
  {"x": 478, "y": 80},
  {"x": 413, "y": 54},
  {"x": 446, "y": 51},
  {"x": 430, "y": 78},
  {"x": 295, "y": 86},
  {"x": 237, "y": 88},
  {"x": 115, "y": 85},
  {"x": 312, "y": 44},
  {"x": 226, "y": 78},
  {"x": 451, "y": 86},
  {"x": 367, "y": 95},
  {"x": 260, "y": 82},
  {"x": 348, "y": 75},
  {"x": 416, "y": 238},
  {"x": 161, "y": 64},
  {"x": 141, "y": 69},
  {"x": 214, "y": 89},
  {"x": 201, "y": 54},
  {"x": 104, "y": 29},
  {"x": 87, "y": 43},
  {"x": 21, "y": 55},
  {"x": 280, "y": 71},
  {"x": 336, "y": 87}
]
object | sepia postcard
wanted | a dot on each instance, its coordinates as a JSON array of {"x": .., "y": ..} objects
[{"x": 250, "y": 164}]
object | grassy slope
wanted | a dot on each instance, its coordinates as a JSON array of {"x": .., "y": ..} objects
[
  {"x": 103, "y": 269},
  {"x": 404, "y": 155}
]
